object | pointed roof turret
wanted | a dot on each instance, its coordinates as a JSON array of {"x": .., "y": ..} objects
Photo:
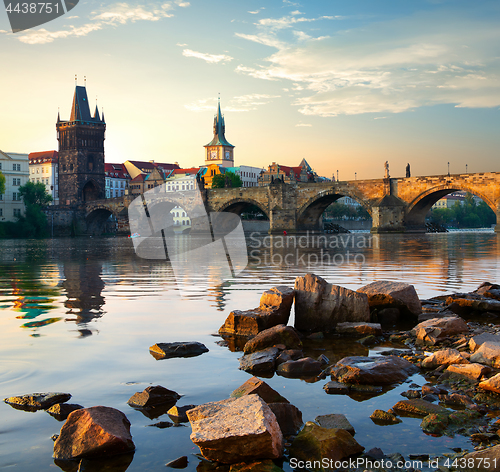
[
  {"x": 219, "y": 130},
  {"x": 96, "y": 114},
  {"x": 80, "y": 111},
  {"x": 58, "y": 116}
]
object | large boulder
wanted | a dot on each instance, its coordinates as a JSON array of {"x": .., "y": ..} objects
[
  {"x": 255, "y": 386},
  {"x": 418, "y": 407},
  {"x": 260, "y": 362},
  {"x": 483, "y": 460},
  {"x": 274, "y": 309},
  {"x": 279, "y": 334},
  {"x": 236, "y": 430},
  {"x": 320, "y": 306},
  {"x": 385, "y": 294},
  {"x": 152, "y": 396},
  {"x": 476, "y": 341},
  {"x": 179, "y": 349},
  {"x": 289, "y": 417},
  {"x": 444, "y": 357},
  {"x": 315, "y": 444},
  {"x": 488, "y": 353},
  {"x": 492, "y": 384},
  {"x": 37, "y": 401},
  {"x": 383, "y": 370},
  {"x": 94, "y": 432},
  {"x": 436, "y": 330}
]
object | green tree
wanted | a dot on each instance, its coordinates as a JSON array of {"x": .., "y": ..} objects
[
  {"x": 33, "y": 224},
  {"x": 219, "y": 180},
  {"x": 2, "y": 183}
]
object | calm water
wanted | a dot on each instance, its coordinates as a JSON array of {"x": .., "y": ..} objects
[{"x": 78, "y": 316}]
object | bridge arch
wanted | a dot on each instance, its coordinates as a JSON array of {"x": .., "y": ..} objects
[
  {"x": 308, "y": 215},
  {"x": 239, "y": 205},
  {"x": 420, "y": 205}
]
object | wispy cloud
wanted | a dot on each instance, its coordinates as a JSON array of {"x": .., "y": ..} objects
[
  {"x": 255, "y": 12},
  {"x": 241, "y": 103},
  {"x": 210, "y": 58},
  {"x": 303, "y": 124},
  {"x": 288, "y": 21},
  {"x": 113, "y": 15},
  {"x": 389, "y": 67}
]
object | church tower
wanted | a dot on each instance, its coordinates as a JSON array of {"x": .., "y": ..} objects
[
  {"x": 219, "y": 151},
  {"x": 81, "y": 153}
]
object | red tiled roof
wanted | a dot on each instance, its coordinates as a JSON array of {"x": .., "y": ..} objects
[
  {"x": 152, "y": 165},
  {"x": 43, "y": 155},
  {"x": 138, "y": 178},
  {"x": 192, "y": 170},
  {"x": 117, "y": 171}
]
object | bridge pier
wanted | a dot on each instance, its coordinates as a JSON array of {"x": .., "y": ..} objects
[{"x": 388, "y": 215}]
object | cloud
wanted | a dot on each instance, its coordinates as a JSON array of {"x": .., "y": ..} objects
[
  {"x": 241, "y": 103},
  {"x": 210, "y": 58},
  {"x": 288, "y": 21},
  {"x": 181, "y": 45},
  {"x": 303, "y": 124},
  {"x": 113, "y": 15},
  {"x": 425, "y": 59}
]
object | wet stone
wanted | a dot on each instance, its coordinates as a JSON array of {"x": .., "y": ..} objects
[
  {"x": 417, "y": 407},
  {"x": 152, "y": 396},
  {"x": 335, "y": 421},
  {"x": 336, "y": 388},
  {"x": 60, "y": 411},
  {"x": 260, "y": 388},
  {"x": 37, "y": 401},
  {"x": 305, "y": 367},
  {"x": 260, "y": 362},
  {"x": 178, "y": 413},
  {"x": 179, "y": 349},
  {"x": 382, "y": 417},
  {"x": 179, "y": 463}
]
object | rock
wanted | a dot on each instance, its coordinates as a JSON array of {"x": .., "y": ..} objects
[
  {"x": 444, "y": 357},
  {"x": 170, "y": 350},
  {"x": 388, "y": 316},
  {"x": 261, "y": 466},
  {"x": 94, "y": 432},
  {"x": 336, "y": 388},
  {"x": 334, "y": 421},
  {"x": 37, "y": 401},
  {"x": 368, "y": 340},
  {"x": 236, "y": 430},
  {"x": 365, "y": 389},
  {"x": 60, "y": 411},
  {"x": 472, "y": 302},
  {"x": 179, "y": 463},
  {"x": 274, "y": 309},
  {"x": 315, "y": 443},
  {"x": 375, "y": 453},
  {"x": 485, "y": 459},
  {"x": 162, "y": 424},
  {"x": 488, "y": 353},
  {"x": 411, "y": 394},
  {"x": 289, "y": 355},
  {"x": 260, "y": 362},
  {"x": 385, "y": 293},
  {"x": 305, "y": 367},
  {"x": 487, "y": 289},
  {"x": 260, "y": 388},
  {"x": 382, "y": 417},
  {"x": 382, "y": 370},
  {"x": 279, "y": 334},
  {"x": 359, "y": 329},
  {"x": 469, "y": 371},
  {"x": 152, "y": 396},
  {"x": 436, "y": 330},
  {"x": 118, "y": 463},
  {"x": 289, "y": 417},
  {"x": 435, "y": 424},
  {"x": 476, "y": 341},
  {"x": 457, "y": 400},
  {"x": 178, "y": 413},
  {"x": 319, "y": 306},
  {"x": 417, "y": 407},
  {"x": 492, "y": 384}
]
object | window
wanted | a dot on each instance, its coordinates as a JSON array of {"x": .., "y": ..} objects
[
  {"x": 16, "y": 196},
  {"x": 32, "y": 170},
  {"x": 16, "y": 167},
  {"x": 1, "y": 211},
  {"x": 0, "y": 166},
  {"x": 17, "y": 212},
  {"x": 1, "y": 196},
  {"x": 16, "y": 182}
]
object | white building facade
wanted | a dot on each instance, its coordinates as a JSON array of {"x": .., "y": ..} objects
[
  {"x": 249, "y": 175},
  {"x": 15, "y": 168},
  {"x": 43, "y": 168},
  {"x": 116, "y": 180}
]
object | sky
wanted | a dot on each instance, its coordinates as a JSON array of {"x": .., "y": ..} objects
[{"x": 345, "y": 85}]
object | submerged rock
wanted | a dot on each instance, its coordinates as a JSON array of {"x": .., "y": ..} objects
[
  {"x": 280, "y": 334},
  {"x": 152, "y": 396},
  {"x": 320, "y": 306},
  {"x": 359, "y": 329},
  {"x": 170, "y": 350},
  {"x": 178, "y": 413},
  {"x": 37, "y": 401},
  {"x": 260, "y": 362},
  {"x": 418, "y": 407},
  {"x": 382, "y": 370},
  {"x": 60, "y": 411},
  {"x": 435, "y": 423},
  {"x": 94, "y": 432},
  {"x": 314, "y": 444},
  {"x": 382, "y": 417},
  {"x": 260, "y": 388},
  {"x": 274, "y": 309},
  {"x": 385, "y": 293},
  {"x": 334, "y": 421},
  {"x": 179, "y": 463},
  {"x": 261, "y": 466},
  {"x": 336, "y": 388},
  {"x": 305, "y": 367},
  {"x": 236, "y": 430}
]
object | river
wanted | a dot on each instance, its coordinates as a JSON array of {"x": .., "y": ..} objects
[{"x": 78, "y": 316}]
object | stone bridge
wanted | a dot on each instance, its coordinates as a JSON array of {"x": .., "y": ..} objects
[{"x": 395, "y": 204}]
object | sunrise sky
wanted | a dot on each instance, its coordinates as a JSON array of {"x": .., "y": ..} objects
[{"x": 346, "y": 85}]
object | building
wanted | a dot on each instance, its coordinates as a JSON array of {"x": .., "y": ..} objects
[
  {"x": 289, "y": 175},
  {"x": 15, "y": 168},
  {"x": 349, "y": 201},
  {"x": 136, "y": 185},
  {"x": 183, "y": 179},
  {"x": 210, "y": 172},
  {"x": 249, "y": 175},
  {"x": 81, "y": 152},
  {"x": 219, "y": 151},
  {"x": 116, "y": 180},
  {"x": 449, "y": 200},
  {"x": 134, "y": 168},
  {"x": 44, "y": 168}
]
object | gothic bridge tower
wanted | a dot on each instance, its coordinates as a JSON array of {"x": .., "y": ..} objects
[
  {"x": 81, "y": 153},
  {"x": 219, "y": 150}
]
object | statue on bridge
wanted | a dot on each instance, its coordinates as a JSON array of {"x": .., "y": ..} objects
[
  {"x": 408, "y": 173},
  {"x": 386, "y": 165}
]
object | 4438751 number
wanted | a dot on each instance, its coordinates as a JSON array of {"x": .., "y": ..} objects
[
  {"x": 472, "y": 463},
  {"x": 32, "y": 8}
]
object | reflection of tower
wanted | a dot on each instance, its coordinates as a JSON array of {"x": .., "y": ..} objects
[
  {"x": 81, "y": 152},
  {"x": 219, "y": 151},
  {"x": 83, "y": 285},
  {"x": 219, "y": 292}
]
